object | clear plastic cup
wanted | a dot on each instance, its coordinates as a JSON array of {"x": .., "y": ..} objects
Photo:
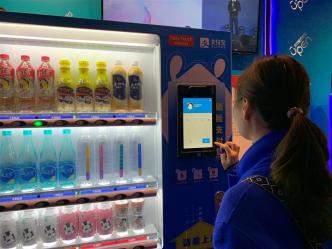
[
  {"x": 9, "y": 230},
  {"x": 122, "y": 225},
  {"x": 29, "y": 228},
  {"x": 48, "y": 224},
  {"x": 68, "y": 224},
  {"x": 87, "y": 221},
  {"x": 104, "y": 219},
  {"x": 138, "y": 223}
]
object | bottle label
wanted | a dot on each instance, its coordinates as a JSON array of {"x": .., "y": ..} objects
[
  {"x": 65, "y": 95},
  {"x": 69, "y": 230},
  {"x": 119, "y": 87},
  {"x": 84, "y": 95},
  {"x": 48, "y": 171},
  {"x": 6, "y": 80},
  {"x": 9, "y": 234},
  {"x": 45, "y": 76},
  {"x": 25, "y": 79},
  {"x": 103, "y": 96},
  {"x": 7, "y": 175},
  {"x": 135, "y": 87},
  {"x": 122, "y": 224},
  {"x": 105, "y": 225},
  {"x": 67, "y": 170},
  {"x": 28, "y": 173},
  {"x": 49, "y": 232}
]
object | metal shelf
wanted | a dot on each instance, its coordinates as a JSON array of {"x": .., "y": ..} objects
[
  {"x": 60, "y": 197},
  {"x": 76, "y": 119}
]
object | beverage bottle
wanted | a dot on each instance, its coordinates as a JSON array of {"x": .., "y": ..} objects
[
  {"x": 29, "y": 229},
  {"x": 121, "y": 217},
  {"x": 48, "y": 226},
  {"x": 102, "y": 90},
  {"x": 67, "y": 162},
  {"x": 119, "y": 85},
  {"x": 137, "y": 216},
  {"x": 103, "y": 165},
  {"x": 8, "y": 168},
  {"x": 135, "y": 156},
  {"x": 48, "y": 168},
  {"x": 9, "y": 233},
  {"x": 27, "y": 163},
  {"x": 87, "y": 221},
  {"x": 84, "y": 88},
  {"x": 135, "y": 79},
  {"x": 7, "y": 88},
  {"x": 85, "y": 165},
  {"x": 120, "y": 149},
  {"x": 104, "y": 219},
  {"x": 65, "y": 93},
  {"x": 25, "y": 89},
  {"x": 68, "y": 224},
  {"x": 45, "y": 92}
]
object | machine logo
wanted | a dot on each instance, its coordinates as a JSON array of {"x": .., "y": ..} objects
[
  {"x": 204, "y": 42},
  {"x": 300, "y": 45},
  {"x": 297, "y": 4}
]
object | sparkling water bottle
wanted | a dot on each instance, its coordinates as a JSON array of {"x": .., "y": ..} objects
[{"x": 27, "y": 163}]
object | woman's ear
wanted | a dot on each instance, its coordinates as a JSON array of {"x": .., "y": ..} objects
[{"x": 247, "y": 109}]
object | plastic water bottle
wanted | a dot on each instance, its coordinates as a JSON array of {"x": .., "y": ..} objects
[
  {"x": 27, "y": 163},
  {"x": 48, "y": 170},
  {"x": 120, "y": 148},
  {"x": 8, "y": 169},
  {"x": 9, "y": 232},
  {"x": 48, "y": 226},
  {"x": 103, "y": 163},
  {"x": 67, "y": 162},
  {"x": 29, "y": 229},
  {"x": 135, "y": 157},
  {"x": 85, "y": 174}
]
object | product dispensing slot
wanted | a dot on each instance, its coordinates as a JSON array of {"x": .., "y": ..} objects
[
  {"x": 82, "y": 200},
  {"x": 137, "y": 121},
  {"x": 102, "y": 198},
  {"x": 20, "y": 206},
  {"x": 81, "y": 122},
  {"x": 137, "y": 195},
  {"x": 41, "y": 204},
  {"x": 119, "y": 122},
  {"x": 61, "y": 123},
  {"x": 119, "y": 197},
  {"x": 18, "y": 124},
  {"x": 101, "y": 122},
  {"x": 62, "y": 202}
]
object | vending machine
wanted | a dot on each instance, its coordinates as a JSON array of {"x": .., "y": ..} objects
[{"x": 107, "y": 133}]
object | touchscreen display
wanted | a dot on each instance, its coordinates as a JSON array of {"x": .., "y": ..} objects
[{"x": 197, "y": 123}]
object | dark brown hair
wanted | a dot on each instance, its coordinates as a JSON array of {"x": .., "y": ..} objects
[{"x": 274, "y": 84}]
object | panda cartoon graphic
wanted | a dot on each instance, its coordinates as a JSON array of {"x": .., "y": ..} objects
[
  {"x": 8, "y": 239},
  {"x": 28, "y": 236},
  {"x": 69, "y": 229},
  {"x": 49, "y": 233},
  {"x": 86, "y": 227},
  {"x": 106, "y": 225}
]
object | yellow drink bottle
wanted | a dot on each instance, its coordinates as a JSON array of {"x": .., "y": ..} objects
[
  {"x": 103, "y": 89},
  {"x": 135, "y": 80},
  {"x": 84, "y": 88},
  {"x": 65, "y": 94},
  {"x": 119, "y": 85}
]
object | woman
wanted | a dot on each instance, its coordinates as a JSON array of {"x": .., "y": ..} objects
[{"x": 271, "y": 106}]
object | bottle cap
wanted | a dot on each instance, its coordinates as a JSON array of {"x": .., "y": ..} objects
[
  {"x": 64, "y": 63},
  {"x": 101, "y": 64},
  {"x": 47, "y": 132},
  {"x": 118, "y": 62},
  {"x": 135, "y": 64},
  {"x": 6, "y": 133},
  {"x": 25, "y": 57},
  {"x": 45, "y": 58},
  {"x": 83, "y": 64},
  {"x": 27, "y": 133},
  {"x": 121, "y": 203},
  {"x": 66, "y": 131},
  {"x": 4, "y": 56},
  {"x": 69, "y": 209}
]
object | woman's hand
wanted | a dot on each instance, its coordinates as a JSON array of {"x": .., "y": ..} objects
[{"x": 230, "y": 156}]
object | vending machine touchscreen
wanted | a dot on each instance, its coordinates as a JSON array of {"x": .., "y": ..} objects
[{"x": 196, "y": 123}]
